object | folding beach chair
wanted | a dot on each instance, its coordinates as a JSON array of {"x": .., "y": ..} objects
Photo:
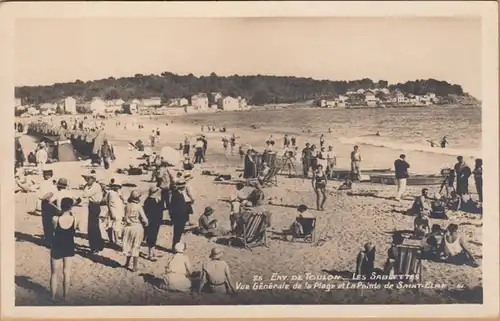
[
  {"x": 271, "y": 179},
  {"x": 253, "y": 232},
  {"x": 308, "y": 231},
  {"x": 408, "y": 262}
]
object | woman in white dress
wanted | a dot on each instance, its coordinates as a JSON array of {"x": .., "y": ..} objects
[{"x": 178, "y": 271}]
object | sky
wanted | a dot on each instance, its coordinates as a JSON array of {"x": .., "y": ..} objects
[{"x": 394, "y": 49}]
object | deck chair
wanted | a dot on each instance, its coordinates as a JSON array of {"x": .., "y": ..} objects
[
  {"x": 308, "y": 233},
  {"x": 409, "y": 262},
  {"x": 271, "y": 179},
  {"x": 253, "y": 232}
]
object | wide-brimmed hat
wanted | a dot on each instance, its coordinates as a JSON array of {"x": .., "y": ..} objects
[
  {"x": 179, "y": 247},
  {"x": 91, "y": 174},
  {"x": 153, "y": 189},
  {"x": 216, "y": 253},
  {"x": 208, "y": 211},
  {"x": 62, "y": 182},
  {"x": 135, "y": 196},
  {"x": 48, "y": 172}
]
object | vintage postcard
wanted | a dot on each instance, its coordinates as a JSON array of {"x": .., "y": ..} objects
[{"x": 249, "y": 159}]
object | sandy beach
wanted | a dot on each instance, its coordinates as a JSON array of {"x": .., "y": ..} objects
[{"x": 349, "y": 220}]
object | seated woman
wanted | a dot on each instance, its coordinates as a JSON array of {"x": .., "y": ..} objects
[
  {"x": 397, "y": 239},
  {"x": 420, "y": 226},
  {"x": 208, "y": 226},
  {"x": 454, "y": 247},
  {"x": 431, "y": 244},
  {"x": 178, "y": 271},
  {"x": 365, "y": 261},
  {"x": 455, "y": 202},
  {"x": 299, "y": 226},
  {"x": 215, "y": 275},
  {"x": 438, "y": 207}
]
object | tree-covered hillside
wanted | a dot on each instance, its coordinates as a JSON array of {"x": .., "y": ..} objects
[{"x": 259, "y": 89}]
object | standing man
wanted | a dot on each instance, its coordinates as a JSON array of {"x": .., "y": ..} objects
[
  {"x": 41, "y": 156},
  {"x": 401, "y": 167},
  {"x": 107, "y": 153},
  {"x": 163, "y": 182},
  {"x": 46, "y": 192},
  {"x": 198, "y": 151},
  {"x": 307, "y": 154},
  {"x": 205, "y": 146},
  {"x": 463, "y": 172},
  {"x": 232, "y": 142},
  {"x": 355, "y": 164},
  {"x": 331, "y": 160},
  {"x": 92, "y": 191}
]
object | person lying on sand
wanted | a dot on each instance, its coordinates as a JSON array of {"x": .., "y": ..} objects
[
  {"x": 24, "y": 184},
  {"x": 454, "y": 247},
  {"x": 347, "y": 185}
]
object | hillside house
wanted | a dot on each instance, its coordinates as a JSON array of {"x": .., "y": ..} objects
[
  {"x": 385, "y": 91},
  {"x": 350, "y": 92},
  {"x": 18, "y": 102},
  {"x": 33, "y": 111},
  {"x": 178, "y": 102},
  {"x": 68, "y": 105},
  {"x": 228, "y": 103},
  {"x": 48, "y": 106},
  {"x": 214, "y": 98},
  {"x": 97, "y": 106},
  {"x": 199, "y": 101},
  {"x": 151, "y": 102},
  {"x": 399, "y": 97},
  {"x": 370, "y": 99},
  {"x": 129, "y": 107},
  {"x": 243, "y": 103}
]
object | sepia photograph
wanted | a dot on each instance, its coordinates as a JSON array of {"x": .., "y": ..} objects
[{"x": 250, "y": 161}]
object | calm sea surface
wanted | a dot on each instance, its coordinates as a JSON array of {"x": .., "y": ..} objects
[{"x": 462, "y": 125}]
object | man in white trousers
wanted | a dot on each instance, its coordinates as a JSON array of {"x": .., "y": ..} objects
[{"x": 401, "y": 167}]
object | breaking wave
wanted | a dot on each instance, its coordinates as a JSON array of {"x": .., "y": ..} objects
[{"x": 377, "y": 142}]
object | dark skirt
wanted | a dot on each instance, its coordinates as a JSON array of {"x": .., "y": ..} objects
[
  {"x": 96, "y": 242},
  {"x": 47, "y": 214}
]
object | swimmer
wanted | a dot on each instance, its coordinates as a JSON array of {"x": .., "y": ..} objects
[{"x": 319, "y": 181}]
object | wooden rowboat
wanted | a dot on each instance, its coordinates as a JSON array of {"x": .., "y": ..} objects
[
  {"x": 344, "y": 173},
  {"x": 413, "y": 180}
]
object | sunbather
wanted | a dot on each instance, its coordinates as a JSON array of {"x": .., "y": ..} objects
[{"x": 454, "y": 247}]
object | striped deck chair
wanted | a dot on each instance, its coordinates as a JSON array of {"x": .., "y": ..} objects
[
  {"x": 254, "y": 232},
  {"x": 409, "y": 262},
  {"x": 271, "y": 179}
]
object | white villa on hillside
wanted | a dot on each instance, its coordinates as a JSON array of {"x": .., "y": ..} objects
[
  {"x": 151, "y": 102},
  {"x": 178, "y": 102},
  {"x": 199, "y": 101}
]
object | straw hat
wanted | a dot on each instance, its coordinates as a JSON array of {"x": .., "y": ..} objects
[
  {"x": 92, "y": 174},
  {"x": 152, "y": 190},
  {"x": 135, "y": 196},
  {"x": 62, "y": 182},
  {"x": 208, "y": 211},
  {"x": 216, "y": 253},
  {"x": 179, "y": 247}
]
